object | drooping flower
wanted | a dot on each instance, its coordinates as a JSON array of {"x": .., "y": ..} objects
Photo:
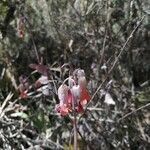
[
  {"x": 75, "y": 90},
  {"x": 84, "y": 94},
  {"x": 63, "y": 94},
  {"x": 65, "y": 97},
  {"x": 76, "y": 94}
]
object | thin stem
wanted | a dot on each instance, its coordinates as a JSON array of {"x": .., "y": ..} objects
[
  {"x": 75, "y": 132},
  {"x": 134, "y": 111},
  {"x": 35, "y": 49},
  {"x": 74, "y": 125},
  {"x": 65, "y": 80},
  {"x": 114, "y": 64},
  {"x": 32, "y": 38},
  {"x": 88, "y": 144},
  {"x": 117, "y": 59},
  {"x": 103, "y": 49}
]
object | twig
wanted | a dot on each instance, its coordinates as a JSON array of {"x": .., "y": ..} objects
[
  {"x": 119, "y": 55},
  {"x": 101, "y": 109},
  {"x": 124, "y": 46},
  {"x": 134, "y": 111},
  {"x": 103, "y": 49},
  {"x": 40, "y": 142},
  {"x": 88, "y": 144},
  {"x": 32, "y": 38},
  {"x": 10, "y": 95},
  {"x": 113, "y": 66}
]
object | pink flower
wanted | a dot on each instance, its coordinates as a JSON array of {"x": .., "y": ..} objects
[
  {"x": 76, "y": 93},
  {"x": 84, "y": 94},
  {"x": 75, "y": 90},
  {"x": 24, "y": 95},
  {"x": 65, "y": 97}
]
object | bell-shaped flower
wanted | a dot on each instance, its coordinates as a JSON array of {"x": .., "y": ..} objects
[
  {"x": 63, "y": 94},
  {"x": 65, "y": 97},
  {"x": 84, "y": 96},
  {"x": 84, "y": 93},
  {"x": 75, "y": 90}
]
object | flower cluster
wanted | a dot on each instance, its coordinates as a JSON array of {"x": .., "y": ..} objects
[{"x": 74, "y": 95}]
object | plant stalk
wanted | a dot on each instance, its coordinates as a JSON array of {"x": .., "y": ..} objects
[{"x": 75, "y": 131}]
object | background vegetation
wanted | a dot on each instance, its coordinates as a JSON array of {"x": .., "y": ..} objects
[{"x": 109, "y": 39}]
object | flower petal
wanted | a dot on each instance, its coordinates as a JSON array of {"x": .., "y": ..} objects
[
  {"x": 63, "y": 94},
  {"x": 62, "y": 109},
  {"x": 76, "y": 91},
  {"x": 24, "y": 95},
  {"x": 69, "y": 98},
  {"x": 82, "y": 82},
  {"x": 80, "y": 108},
  {"x": 85, "y": 96}
]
